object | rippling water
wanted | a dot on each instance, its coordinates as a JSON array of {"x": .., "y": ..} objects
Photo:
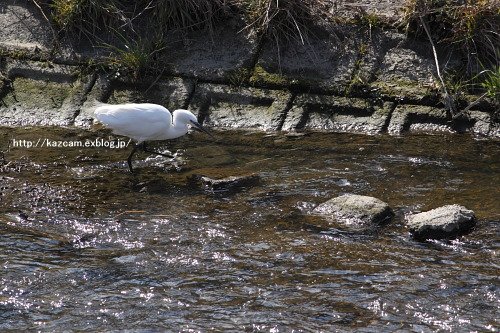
[{"x": 98, "y": 249}]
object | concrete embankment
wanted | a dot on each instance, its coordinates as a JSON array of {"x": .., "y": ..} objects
[{"x": 359, "y": 78}]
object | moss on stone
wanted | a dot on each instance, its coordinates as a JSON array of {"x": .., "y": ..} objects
[
  {"x": 26, "y": 54},
  {"x": 37, "y": 94},
  {"x": 405, "y": 89},
  {"x": 239, "y": 77},
  {"x": 261, "y": 76}
]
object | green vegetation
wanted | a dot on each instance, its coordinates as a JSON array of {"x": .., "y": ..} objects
[
  {"x": 470, "y": 29},
  {"x": 492, "y": 84},
  {"x": 136, "y": 56},
  {"x": 358, "y": 82},
  {"x": 124, "y": 26},
  {"x": 239, "y": 77},
  {"x": 367, "y": 20},
  {"x": 262, "y": 77}
]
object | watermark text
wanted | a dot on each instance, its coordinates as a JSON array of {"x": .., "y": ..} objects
[{"x": 53, "y": 143}]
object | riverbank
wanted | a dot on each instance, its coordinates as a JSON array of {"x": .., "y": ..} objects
[{"x": 362, "y": 75}]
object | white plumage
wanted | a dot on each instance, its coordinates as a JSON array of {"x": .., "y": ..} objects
[{"x": 146, "y": 122}]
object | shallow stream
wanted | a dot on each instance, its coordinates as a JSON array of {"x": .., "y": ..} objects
[{"x": 86, "y": 245}]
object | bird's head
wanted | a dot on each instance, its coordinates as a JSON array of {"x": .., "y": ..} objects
[{"x": 186, "y": 117}]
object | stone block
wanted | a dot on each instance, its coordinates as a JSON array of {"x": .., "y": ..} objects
[
  {"x": 172, "y": 93},
  {"x": 483, "y": 124},
  {"x": 24, "y": 27},
  {"x": 406, "y": 71},
  {"x": 237, "y": 107},
  {"x": 387, "y": 11},
  {"x": 372, "y": 47},
  {"x": 42, "y": 70},
  {"x": 418, "y": 118},
  {"x": 99, "y": 91},
  {"x": 211, "y": 56},
  {"x": 324, "y": 64},
  {"x": 41, "y": 94},
  {"x": 339, "y": 114}
]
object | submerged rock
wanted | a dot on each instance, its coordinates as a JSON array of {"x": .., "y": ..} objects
[
  {"x": 227, "y": 184},
  {"x": 353, "y": 209},
  {"x": 443, "y": 222},
  {"x": 154, "y": 186},
  {"x": 21, "y": 223}
]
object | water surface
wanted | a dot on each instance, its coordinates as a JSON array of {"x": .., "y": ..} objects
[{"x": 85, "y": 245}]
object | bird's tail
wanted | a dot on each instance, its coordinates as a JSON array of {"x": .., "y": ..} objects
[{"x": 100, "y": 110}]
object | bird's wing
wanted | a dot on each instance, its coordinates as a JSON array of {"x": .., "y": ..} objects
[{"x": 138, "y": 121}]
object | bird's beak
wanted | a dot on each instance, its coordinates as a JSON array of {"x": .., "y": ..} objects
[{"x": 198, "y": 127}]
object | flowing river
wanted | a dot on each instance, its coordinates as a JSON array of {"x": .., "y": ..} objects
[{"x": 87, "y": 246}]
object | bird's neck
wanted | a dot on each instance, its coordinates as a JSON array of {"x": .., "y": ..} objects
[{"x": 177, "y": 130}]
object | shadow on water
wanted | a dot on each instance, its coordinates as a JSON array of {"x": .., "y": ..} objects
[{"x": 85, "y": 245}]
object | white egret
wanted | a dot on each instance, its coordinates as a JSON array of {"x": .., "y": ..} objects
[{"x": 146, "y": 122}]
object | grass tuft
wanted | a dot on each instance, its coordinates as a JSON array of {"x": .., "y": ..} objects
[
  {"x": 491, "y": 84},
  {"x": 90, "y": 16},
  {"x": 469, "y": 28},
  {"x": 186, "y": 14},
  {"x": 472, "y": 27},
  {"x": 284, "y": 20},
  {"x": 86, "y": 17},
  {"x": 137, "y": 56}
]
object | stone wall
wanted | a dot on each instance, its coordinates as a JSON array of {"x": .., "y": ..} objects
[{"x": 356, "y": 79}]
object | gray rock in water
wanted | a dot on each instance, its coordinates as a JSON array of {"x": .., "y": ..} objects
[
  {"x": 227, "y": 184},
  {"x": 443, "y": 222},
  {"x": 353, "y": 209}
]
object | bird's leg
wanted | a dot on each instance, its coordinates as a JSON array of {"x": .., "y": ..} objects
[
  {"x": 144, "y": 148},
  {"x": 129, "y": 159}
]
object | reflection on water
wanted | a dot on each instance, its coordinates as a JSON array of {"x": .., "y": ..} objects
[{"x": 96, "y": 248}]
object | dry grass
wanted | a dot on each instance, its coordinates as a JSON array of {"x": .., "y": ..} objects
[
  {"x": 284, "y": 20},
  {"x": 472, "y": 27},
  {"x": 186, "y": 14},
  {"x": 86, "y": 17},
  {"x": 90, "y": 16}
]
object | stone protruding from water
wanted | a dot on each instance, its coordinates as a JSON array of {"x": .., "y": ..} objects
[
  {"x": 443, "y": 222},
  {"x": 229, "y": 184},
  {"x": 353, "y": 209}
]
